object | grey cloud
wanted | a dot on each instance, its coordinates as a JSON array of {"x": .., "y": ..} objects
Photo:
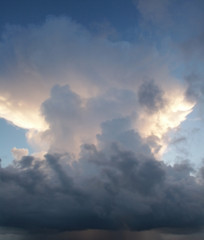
[
  {"x": 125, "y": 191},
  {"x": 64, "y": 114},
  {"x": 100, "y": 235},
  {"x": 151, "y": 96},
  {"x": 72, "y": 121},
  {"x": 59, "y": 96},
  {"x": 202, "y": 172},
  {"x": 96, "y": 235},
  {"x": 119, "y": 130},
  {"x": 117, "y": 185},
  {"x": 113, "y": 103}
]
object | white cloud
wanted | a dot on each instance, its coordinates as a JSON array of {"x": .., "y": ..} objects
[
  {"x": 18, "y": 153},
  {"x": 104, "y": 78}
]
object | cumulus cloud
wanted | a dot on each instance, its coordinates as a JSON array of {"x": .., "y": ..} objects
[
  {"x": 18, "y": 153},
  {"x": 61, "y": 82},
  {"x": 113, "y": 189},
  {"x": 101, "y": 110}
]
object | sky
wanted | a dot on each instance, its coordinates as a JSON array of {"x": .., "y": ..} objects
[{"x": 101, "y": 119}]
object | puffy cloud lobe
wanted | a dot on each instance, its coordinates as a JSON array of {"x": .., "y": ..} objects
[
  {"x": 111, "y": 189},
  {"x": 120, "y": 130},
  {"x": 73, "y": 120},
  {"x": 18, "y": 153},
  {"x": 63, "y": 113},
  {"x": 150, "y": 96}
]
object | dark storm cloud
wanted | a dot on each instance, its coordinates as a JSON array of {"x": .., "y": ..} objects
[
  {"x": 95, "y": 235},
  {"x": 110, "y": 189}
]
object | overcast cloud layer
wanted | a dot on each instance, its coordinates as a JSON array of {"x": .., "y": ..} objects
[{"x": 99, "y": 110}]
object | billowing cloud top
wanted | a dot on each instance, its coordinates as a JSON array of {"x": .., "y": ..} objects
[{"x": 98, "y": 80}]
